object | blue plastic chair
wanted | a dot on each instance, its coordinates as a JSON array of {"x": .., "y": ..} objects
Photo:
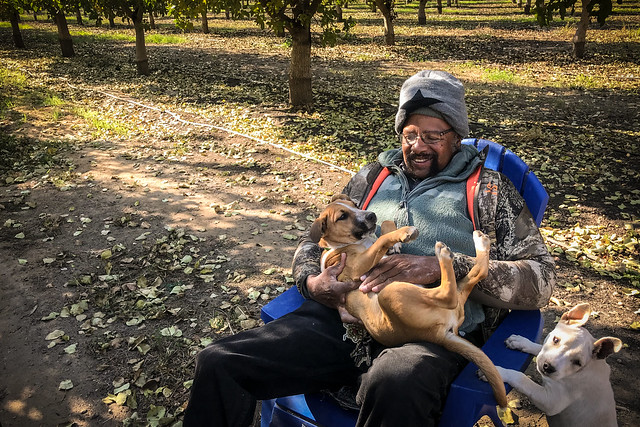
[{"x": 469, "y": 398}]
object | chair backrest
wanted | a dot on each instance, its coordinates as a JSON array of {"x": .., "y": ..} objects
[{"x": 513, "y": 167}]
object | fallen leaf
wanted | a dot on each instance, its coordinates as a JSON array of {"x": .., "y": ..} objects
[
  {"x": 54, "y": 335},
  {"x": 65, "y": 385}
]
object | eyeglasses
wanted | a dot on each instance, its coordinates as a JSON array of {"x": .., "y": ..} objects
[{"x": 428, "y": 136}]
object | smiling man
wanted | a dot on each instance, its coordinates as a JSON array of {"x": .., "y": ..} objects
[{"x": 421, "y": 183}]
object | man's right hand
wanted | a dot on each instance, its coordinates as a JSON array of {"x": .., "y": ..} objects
[{"x": 328, "y": 290}]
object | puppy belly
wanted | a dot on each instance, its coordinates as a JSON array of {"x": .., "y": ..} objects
[{"x": 366, "y": 308}]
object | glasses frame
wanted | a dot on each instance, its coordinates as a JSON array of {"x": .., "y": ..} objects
[{"x": 428, "y": 137}]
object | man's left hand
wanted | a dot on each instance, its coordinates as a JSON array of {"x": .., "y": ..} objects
[{"x": 420, "y": 270}]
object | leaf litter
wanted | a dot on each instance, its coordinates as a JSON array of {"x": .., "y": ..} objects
[{"x": 164, "y": 237}]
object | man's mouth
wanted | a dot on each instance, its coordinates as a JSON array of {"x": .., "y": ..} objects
[{"x": 420, "y": 159}]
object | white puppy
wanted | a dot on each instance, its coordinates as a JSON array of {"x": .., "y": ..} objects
[{"x": 575, "y": 387}]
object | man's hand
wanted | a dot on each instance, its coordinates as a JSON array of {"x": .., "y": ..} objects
[
  {"x": 420, "y": 270},
  {"x": 328, "y": 290}
]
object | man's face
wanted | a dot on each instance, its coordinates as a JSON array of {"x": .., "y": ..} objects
[{"x": 427, "y": 159}]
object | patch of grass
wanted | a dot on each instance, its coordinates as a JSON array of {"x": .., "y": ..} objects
[
  {"x": 21, "y": 25},
  {"x": 88, "y": 37},
  {"x": 505, "y": 76},
  {"x": 101, "y": 123},
  {"x": 584, "y": 81},
  {"x": 52, "y": 101},
  {"x": 165, "y": 39},
  {"x": 11, "y": 79}
]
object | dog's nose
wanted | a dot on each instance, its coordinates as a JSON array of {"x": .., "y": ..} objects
[
  {"x": 370, "y": 216},
  {"x": 548, "y": 368}
]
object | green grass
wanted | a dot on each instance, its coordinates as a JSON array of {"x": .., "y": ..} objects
[
  {"x": 500, "y": 76},
  {"x": 129, "y": 37},
  {"x": 52, "y": 101},
  {"x": 99, "y": 122},
  {"x": 165, "y": 39},
  {"x": 21, "y": 25}
]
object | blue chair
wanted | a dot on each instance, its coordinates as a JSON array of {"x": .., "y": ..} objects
[{"x": 469, "y": 398}]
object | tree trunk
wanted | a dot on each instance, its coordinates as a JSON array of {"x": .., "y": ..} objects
[
  {"x": 339, "y": 13},
  {"x": 205, "y": 23},
  {"x": 78, "y": 15},
  {"x": 389, "y": 34},
  {"x": 422, "y": 15},
  {"x": 580, "y": 37},
  {"x": 15, "y": 26},
  {"x": 152, "y": 21},
  {"x": 439, "y": 6},
  {"x": 142, "y": 61},
  {"x": 66, "y": 43},
  {"x": 527, "y": 7},
  {"x": 300, "y": 94}
]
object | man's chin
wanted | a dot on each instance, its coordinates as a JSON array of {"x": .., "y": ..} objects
[{"x": 420, "y": 170}]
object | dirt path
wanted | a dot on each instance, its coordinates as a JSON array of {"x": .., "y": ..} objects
[{"x": 148, "y": 248}]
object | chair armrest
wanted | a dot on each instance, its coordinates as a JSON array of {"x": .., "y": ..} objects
[{"x": 284, "y": 303}]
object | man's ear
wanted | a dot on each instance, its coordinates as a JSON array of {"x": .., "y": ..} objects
[
  {"x": 317, "y": 229},
  {"x": 605, "y": 347},
  {"x": 577, "y": 316},
  {"x": 339, "y": 197}
]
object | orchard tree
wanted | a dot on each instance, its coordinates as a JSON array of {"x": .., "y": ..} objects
[
  {"x": 296, "y": 17},
  {"x": 185, "y": 11},
  {"x": 133, "y": 10},
  {"x": 9, "y": 11},
  {"x": 386, "y": 7},
  {"x": 57, "y": 8},
  {"x": 601, "y": 9}
]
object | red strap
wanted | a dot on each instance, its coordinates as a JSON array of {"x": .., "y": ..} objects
[
  {"x": 384, "y": 173},
  {"x": 472, "y": 183}
]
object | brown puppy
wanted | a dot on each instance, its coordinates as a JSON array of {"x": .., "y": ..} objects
[{"x": 403, "y": 312}]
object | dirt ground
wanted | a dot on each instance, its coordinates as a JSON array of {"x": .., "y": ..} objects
[{"x": 198, "y": 239}]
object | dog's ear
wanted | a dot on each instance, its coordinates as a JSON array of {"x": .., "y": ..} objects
[
  {"x": 606, "y": 346},
  {"x": 318, "y": 228},
  {"x": 577, "y": 316},
  {"x": 340, "y": 197}
]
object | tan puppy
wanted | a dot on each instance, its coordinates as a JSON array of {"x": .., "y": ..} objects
[
  {"x": 575, "y": 388},
  {"x": 403, "y": 312}
]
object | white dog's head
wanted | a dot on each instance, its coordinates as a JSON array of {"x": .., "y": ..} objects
[{"x": 570, "y": 347}]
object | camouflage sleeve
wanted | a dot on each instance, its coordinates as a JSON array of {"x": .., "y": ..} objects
[
  {"x": 521, "y": 271},
  {"x": 306, "y": 260}
]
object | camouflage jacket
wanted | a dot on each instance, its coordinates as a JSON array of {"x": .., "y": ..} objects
[{"x": 521, "y": 271}]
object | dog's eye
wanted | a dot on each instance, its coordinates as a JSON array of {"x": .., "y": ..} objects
[
  {"x": 556, "y": 340},
  {"x": 576, "y": 362},
  {"x": 342, "y": 216}
]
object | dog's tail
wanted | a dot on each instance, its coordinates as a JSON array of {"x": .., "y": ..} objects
[{"x": 472, "y": 353}]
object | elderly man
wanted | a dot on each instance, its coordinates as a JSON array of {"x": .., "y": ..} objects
[{"x": 317, "y": 347}]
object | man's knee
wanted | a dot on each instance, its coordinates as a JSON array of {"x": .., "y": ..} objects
[
  {"x": 405, "y": 368},
  {"x": 210, "y": 359}
]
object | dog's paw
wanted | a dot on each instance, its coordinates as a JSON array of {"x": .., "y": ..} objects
[
  {"x": 442, "y": 251},
  {"x": 516, "y": 342},
  {"x": 408, "y": 234},
  {"x": 502, "y": 371},
  {"x": 481, "y": 241},
  {"x": 395, "y": 249}
]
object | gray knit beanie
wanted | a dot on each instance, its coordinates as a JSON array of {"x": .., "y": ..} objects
[{"x": 441, "y": 93}]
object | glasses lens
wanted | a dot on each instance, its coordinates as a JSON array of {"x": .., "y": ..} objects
[{"x": 411, "y": 138}]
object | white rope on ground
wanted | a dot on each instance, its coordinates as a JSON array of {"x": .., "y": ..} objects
[{"x": 210, "y": 126}]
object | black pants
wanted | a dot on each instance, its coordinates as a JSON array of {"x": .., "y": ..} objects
[{"x": 304, "y": 352}]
